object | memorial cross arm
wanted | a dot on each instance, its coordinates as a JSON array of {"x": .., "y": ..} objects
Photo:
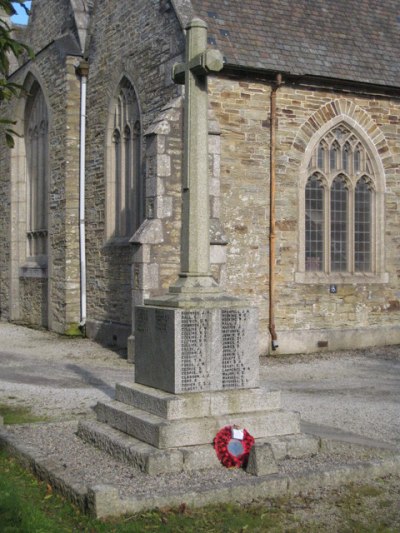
[{"x": 208, "y": 61}]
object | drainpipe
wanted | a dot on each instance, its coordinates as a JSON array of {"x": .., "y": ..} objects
[
  {"x": 278, "y": 82},
  {"x": 82, "y": 71}
]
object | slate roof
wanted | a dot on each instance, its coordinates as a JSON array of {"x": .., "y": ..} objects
[{"x": 357, "y": 40}]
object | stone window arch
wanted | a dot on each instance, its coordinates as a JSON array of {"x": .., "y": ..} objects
[
  {"x": 341, "y": 209},
  {"x": 124, "y": 186},
  {"x": 37, "y": 169}
]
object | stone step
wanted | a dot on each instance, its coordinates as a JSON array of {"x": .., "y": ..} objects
[
  {"x": 293, "y": 446},
  {"x": 163, "y": 433},
  {"x": 153, "y": 461},
  {"x": 196, "y": 405},
  {"x": 123, "y": 447}
]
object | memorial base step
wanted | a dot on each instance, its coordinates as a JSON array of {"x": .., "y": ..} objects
[
  {"x": 198, "y": 404},
  {"x": 153, "y": 461},
  {"x": 163, "y": 433}
]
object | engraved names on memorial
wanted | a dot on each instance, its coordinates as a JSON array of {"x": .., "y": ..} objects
[
  {"x": 196, "y": 350},
  {"x": 194, "y": 340},
  {"x": 234, "y": 323}
]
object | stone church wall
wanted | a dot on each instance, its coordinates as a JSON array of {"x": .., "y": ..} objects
[
  {"x": 360, "y": 313},
  {"x": 23, "y": 297},
  {"x": 242, "y": 111},
  {"x": 308, "y": 316},
  {"x": 49, "y": 19},
  {"x": 141, "y": 43}
]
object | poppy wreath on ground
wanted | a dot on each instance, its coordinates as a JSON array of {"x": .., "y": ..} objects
[{"x": 232, "y": 452}]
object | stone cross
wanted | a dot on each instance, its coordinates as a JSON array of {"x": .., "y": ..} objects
[{"x": 195, "y": 241}]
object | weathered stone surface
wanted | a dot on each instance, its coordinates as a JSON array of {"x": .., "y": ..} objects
[
  {"x": 196, "y": 350},
  {"x": 261, "y": 460},
  {"x": 200, "y": 457},
  {"x": 203, "y": 404},
  {"x": 293, "y": 446},
  {"x": 238, "y": 167},
  {"x": 126, "y": 448},
  {"x": 163, "y": 433},
  {"x": 103, "y": 501}
]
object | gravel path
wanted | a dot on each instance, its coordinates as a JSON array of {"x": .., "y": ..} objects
[{"x": 63, "y": 378}]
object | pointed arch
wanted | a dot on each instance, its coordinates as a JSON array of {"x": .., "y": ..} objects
[
  {"x": 36, "y": 149},
  {"x": 30, "y": 182},
  {"x": 30, "y": 173},
  {"x": 352, "y": 155},
  {"x": 124, "y": 178}
]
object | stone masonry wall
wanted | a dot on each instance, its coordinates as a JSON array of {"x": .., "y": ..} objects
[
  {"x": 139, "y": 40},
  {"x": 49, "y": 19},
  {"x": 60, "y": 85},
  {"x": 242, "y": 111},
  {"x": 308, "y": 316},
  {"x": 5, "y": 233},
  {"x": 362, "y": 306}
]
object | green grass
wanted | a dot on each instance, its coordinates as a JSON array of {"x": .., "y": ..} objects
[
  {"x": 30, "y": 506},
  {"x": 18, "y": 415}
]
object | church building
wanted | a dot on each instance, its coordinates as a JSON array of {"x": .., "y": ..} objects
[{"x": 303, "y": 159}]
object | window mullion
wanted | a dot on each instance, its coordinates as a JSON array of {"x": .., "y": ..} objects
[
  {"x": 327, "y": 230},
  {"x": 351, "y": 231}
]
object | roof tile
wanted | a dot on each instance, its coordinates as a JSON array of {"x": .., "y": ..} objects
[{"x": 356, "y": 40}]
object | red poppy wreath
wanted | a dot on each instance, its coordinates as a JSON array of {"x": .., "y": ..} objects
[{"x": 231, "y": 451}]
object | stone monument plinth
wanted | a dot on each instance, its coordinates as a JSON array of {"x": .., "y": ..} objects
[{"x": 205, "y": 348}]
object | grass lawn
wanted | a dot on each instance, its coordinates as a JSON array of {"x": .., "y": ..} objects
[
  {"x": 30, "y": 506},
  {"x": 18, "y": 415}
]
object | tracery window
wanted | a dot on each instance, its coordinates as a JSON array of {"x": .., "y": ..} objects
[
  {"x": 340, "y": 202},
  {"x": 125, "y": 188},
  {"x": 36, "y": 146}
]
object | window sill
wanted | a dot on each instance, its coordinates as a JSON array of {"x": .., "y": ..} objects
[
  {"x": 120, "y": 242},
  {"x": 34, "y": 268},
  {"x": 319, "y": 278}
]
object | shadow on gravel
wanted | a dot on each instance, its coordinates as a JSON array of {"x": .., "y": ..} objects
[{"x": 91, "y": 379}]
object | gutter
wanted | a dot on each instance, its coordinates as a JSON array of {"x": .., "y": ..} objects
[{"x": 315, "y": 82}]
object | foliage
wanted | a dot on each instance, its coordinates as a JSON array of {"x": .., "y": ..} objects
[{"x": 9, "y": 46}]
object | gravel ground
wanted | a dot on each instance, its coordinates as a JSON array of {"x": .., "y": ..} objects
[
  {"x": 81, "y": 461},
  {"x": 63, "y": 378}
]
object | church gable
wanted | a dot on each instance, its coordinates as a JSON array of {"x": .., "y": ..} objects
[
  {"x": 82, "y": 10},
  {"x": 58, "y": 20}
]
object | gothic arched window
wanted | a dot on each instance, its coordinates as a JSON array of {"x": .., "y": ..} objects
[
  {"x": 340, "y": 206},
  {"x": 125, "y": 189},
  {"x": 36, "y": 147}
]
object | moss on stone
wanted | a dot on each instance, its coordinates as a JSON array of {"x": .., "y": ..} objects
[{"x": 73, "y": 330}]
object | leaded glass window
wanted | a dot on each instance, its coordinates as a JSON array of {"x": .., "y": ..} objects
[
  {"x": 339, "y": 224},
  {"x": 36, "y": 145},
  {"x": 362, "y": 216},
  {"x": 314, "y": 223},
  {"x": 339, "y": 205}
]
